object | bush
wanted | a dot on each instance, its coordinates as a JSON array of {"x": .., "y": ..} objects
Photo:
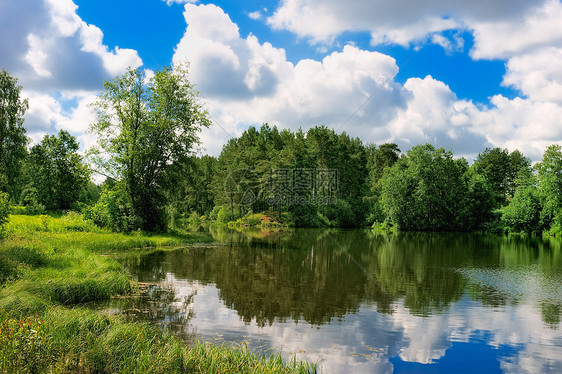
[
  {"x": 214, "y": 213},
  {"x": 227, "y": 214},
  {"x": 113, "y": 211},
  {"x": 30, "y": 201},
  {"x": 4, "y": 211},
  {"x": 193, "y": 218},
  {"x": 341, "y": 214}
]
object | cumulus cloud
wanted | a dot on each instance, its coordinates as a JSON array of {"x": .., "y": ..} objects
[
  {"x": 401, "y": 21},
  {"x": 501, "y": 29},
  {"x": 505, "y": 38},
  {"x": 60, "y": 61},
  {"x": 247, "y": 83},
  {"x": 537, "y": 75},
  {"x": 434, "y": 115}
]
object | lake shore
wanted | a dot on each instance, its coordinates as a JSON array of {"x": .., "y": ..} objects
[{"x": 50, "y": 266}]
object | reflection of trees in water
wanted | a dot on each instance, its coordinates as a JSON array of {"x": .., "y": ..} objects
[
  {"x": 417, "y": 267},
  {"x": 160, "y": 306},
  {"x": 318, "y": 275},
  {"x": 145, "y": 267}
]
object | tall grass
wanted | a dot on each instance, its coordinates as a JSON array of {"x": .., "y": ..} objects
[
  {"x": 79, "y": 340},
  {"x": 50, "y": 265}
]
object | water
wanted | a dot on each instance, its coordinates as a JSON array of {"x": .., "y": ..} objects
[{"x": 355, "y": 301}]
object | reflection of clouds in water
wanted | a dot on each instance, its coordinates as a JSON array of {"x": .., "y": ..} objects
[{"x": 366, "y": 340}]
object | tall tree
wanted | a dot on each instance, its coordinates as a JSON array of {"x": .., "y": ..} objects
[
  {"x": 12, "y": 134},
  {"x": 501, "y": 169},
  {"x": 381, "y": 158},
  {"x": 56, "y": 171},
  {"x": 378, "y": 159},
  {"x": 549, "y": 173},
  {"x": 426, "y": 191},
  {"x": 148, "y": 128}
]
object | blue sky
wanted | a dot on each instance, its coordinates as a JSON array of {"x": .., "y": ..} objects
[{"x": 457, "y": 74}]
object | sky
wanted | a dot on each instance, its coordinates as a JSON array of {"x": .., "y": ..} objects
[{"x": 463, "y": 75}]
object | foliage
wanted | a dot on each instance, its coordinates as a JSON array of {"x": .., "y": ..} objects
[
  {"x": 148, "y": 127},
  {"x": 90, "y": 194},
  {"x": 428, "y": 190},
  {"x": 523, "y": 214},
  {"x": 478, "y": 202},
  {"x": 56, "y": 173},
  {"x": 379, "y": 159},
  {"x": 12, "y": 134},
  {"x": 30, "y": 201},
  {"x": 501, "y": 169},
  {"x": 282, "y": 171},
  {"x": 549, "y": 174},
  {"x": 227, "y": 214},
  {"x": 341, "y": 214},
  {"x": 4, "y": 211},
  {"x": 114, "y": 211},
  {"x": 537, "y": 203}
]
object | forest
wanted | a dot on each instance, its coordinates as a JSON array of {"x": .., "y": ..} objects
[{"x": 147, "y": 133}]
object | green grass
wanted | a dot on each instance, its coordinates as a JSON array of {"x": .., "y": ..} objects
[{"x": 50, "y": 265}]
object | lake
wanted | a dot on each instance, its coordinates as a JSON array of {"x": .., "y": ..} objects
[{"x": 359, "y": 301}]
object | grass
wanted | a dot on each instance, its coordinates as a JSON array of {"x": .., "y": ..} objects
[{"x": 50, "y": 265}]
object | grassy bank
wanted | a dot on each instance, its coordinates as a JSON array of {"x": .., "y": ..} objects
[{"x": 49, "y": 266}]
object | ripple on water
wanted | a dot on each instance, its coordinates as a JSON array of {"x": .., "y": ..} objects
[{"x": 525, "y": 283}]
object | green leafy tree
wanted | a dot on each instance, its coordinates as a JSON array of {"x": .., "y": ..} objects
[
  {"x": 426, "y": 191},
  {"x": 549, "y": 174},
  {"x": 523, "y": 214},
  {"x": 56, "y": 171},
  {"x": 381, "y": 158},
  {"x": 12, "y": 134},
  {"x": 195, "y": 193},
  {"x": 501, "y": 168},
  {"x": 479, "y": 202},
  {"x": 148, "y": 128},
  {"x": 378, "y": 159}
]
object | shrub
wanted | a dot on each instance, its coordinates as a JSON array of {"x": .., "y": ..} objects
[
  {"x": 4, "y": 211},
  {"x": 214, "y": 213},
  {"x": 227, "y": 214},
  {"x": 193, "y": 218},
  {"x": 113, "y": 211},
  {"x": 341, "y": 214},
  {"x": 30, "y": 201}
]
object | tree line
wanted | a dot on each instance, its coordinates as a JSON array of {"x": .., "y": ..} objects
[{"x": 147, "y": 131}]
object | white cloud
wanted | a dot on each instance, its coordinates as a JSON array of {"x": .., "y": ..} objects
[
  {"x": 256, "y": 16},
  {"x": 36, "y": 56},
  {"x": 63, "y": 63},
  {"x": 400, "y": 21},
  {"x": 246, "y": 82},
  {"x": 537, "y": 75},
  {"x": 60, "y": 61},
  {"x": 170, "y": 2},
  {"x": 500, "y": 29},
  {"x": 434, "y": 115},
  {"x": 539, "y": 28}
]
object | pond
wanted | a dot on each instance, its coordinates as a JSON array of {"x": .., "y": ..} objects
[{"x": 358, "y": 301}]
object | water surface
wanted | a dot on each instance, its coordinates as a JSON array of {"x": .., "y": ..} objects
[{"x": 356, "y": 301}]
